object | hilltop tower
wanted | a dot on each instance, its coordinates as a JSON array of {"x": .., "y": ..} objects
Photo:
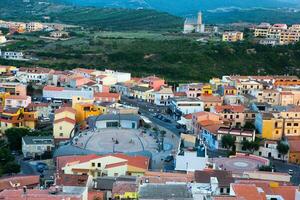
[
  {"x": 199, "y": 19},
  {"x": 200, "y": 26}
]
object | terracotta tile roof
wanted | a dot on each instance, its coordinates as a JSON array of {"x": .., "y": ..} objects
[
  {"x": 65, "y": 109},
  {"x": 188, "y": 116},
  {"x": 113, "y": 165},
  {"x": 121, "y": 187},
  {"x": 66, "y": 119},
  {"x": 62, "y": 161},
  {"x": 248, "y": 192},
  {"x": 210, "y": 98},
  {"x": 17, "y": 97},
  {"x": 19, "y": 181},
  {"x": 179, "y": 94},
  {"x": 287, "y": 192},
  {"x": 163, "y": 177},
  {"x": 72, "y": 180},
  {"x": 96, "y": 194},
  {"x": 35, "y": 194},
  {"x": 53, "y": 88},
  {"x": 106, "y": 95},
  {"x": 136, "y": 161},
  {"x": 83, "y": 70},
  {"x": 286, "y": 93},
  {"x": 231, "y": 108}
]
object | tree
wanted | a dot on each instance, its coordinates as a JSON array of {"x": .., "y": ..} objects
[
  {"x": 282, "y": 148},
  {"x": 265, "y": 168},
  {"x": 11, "y": 167},
  {"x": 249, "y": 125},
  {"x": 228, "y": 141},
  {"x": 250, "y": 145}
]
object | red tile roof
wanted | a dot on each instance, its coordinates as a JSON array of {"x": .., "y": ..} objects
[
  {"x": 65, "y": 109},
  {"x": 35, "y": 194},
  {"x": 95, "y": 194},
  {"x": 106, "y": 94},
  {"x": 232, "y": 108},
  {"x": 294, "y": 145},
  {"x": 113, "y": 165},
  {"x": 248, "y": 192},
  {"x": 72, "y": 180},
  {"x": 19, "y": 181},
  {"x": 53, "y": 88},
  {"x": 136, "y": 161},
  {"x": 66, "y": 119},
  {"x": 17, "y": 97}
]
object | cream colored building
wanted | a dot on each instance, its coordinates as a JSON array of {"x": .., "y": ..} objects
[
  {"x": 64, "y": 123},
  {"x": 232, "y": 36}
]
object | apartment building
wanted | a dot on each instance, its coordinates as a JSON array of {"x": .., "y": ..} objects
[{"x": 232, "y": 36}]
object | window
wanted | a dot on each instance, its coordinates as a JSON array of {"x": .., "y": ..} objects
[
  {"x": 61, "y": 134},
  {"x": 296, "y": 124},
  {"x": 237, "y": 116},
  {"x": 221, "y": 190},
  {"x": 99, "y": 174},
  {"x": 116, "y": 174},
  {"x": 99, "y": 164},
  {"x": 289, "y": 124},
  {"x": 93, "y": 164},
  {"x": 60, "y": 128}
]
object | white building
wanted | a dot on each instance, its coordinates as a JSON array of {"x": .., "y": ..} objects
[
  {"x": 128, "y": 121},
  {"x": 163, "y": 96},
  {"x": 52, "y": 92},
  {"x": 33, "y": 146},
  {"x": 183, "y": 105},
  {"x": 269, "y": 150},
  {"x": 194, "y": 25},
  {"x": 35, "y": 74},
  {"x": 2, "y": 39},
  {"x": 12, "y": 55},
  {"x": 34, "y": 26}
]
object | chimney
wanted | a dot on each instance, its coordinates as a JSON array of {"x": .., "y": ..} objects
[{"x": 24, "y": 190}]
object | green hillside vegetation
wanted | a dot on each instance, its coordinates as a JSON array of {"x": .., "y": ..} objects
[
  {"x": 170, "y": 56},
  {"x": 119, "y": 19}
]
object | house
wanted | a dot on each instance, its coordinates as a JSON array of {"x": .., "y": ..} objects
[
  {"x": 59, "y": 193},
  {"x": 162, "y": 97},
  {"x": 240, "y": 135},
  {"x": 79, "y": 81},
  {"x": 269, "y": 96},
  {"x": 34, "y": 26},
  {"x": 107, "y": 165},
  {"x": 232, "y": 36},
  {"x": 64, "y": 123},
  {"x": 191, "y": 157},
  {"x": 286, "y": 98},
  {"x": 269, "y": 126},
  {"x": 205, "y": 120},
  {"x": 186, "y": 121},
  {"x": 59, "y": 34},
  {"x": 131, "y": 121},
  {"x": 141, "y": 92},
  {"x": 16, "y": 101},
  {"x": 43, "y": 109},
  {"x": 232, "y": 115},
  {"x": 165, "y": 177},
  {"x": 19, "y": 181},
  {"x": 246, "y": 85},
  {"x": 194, "y": 90},
  {"x": 34, "y": 75},
  {"x": 204, "y": 178},
  {"x": 125, "y": 190},
  {"x": 18, "y": 117},
  {"x": 107, "y": 97},
  {"x": 12, "y": 55},
  {"x": 182, "y": 106},
  {"x": 8, "y": 70},
  {"x": 153, "y": 82},
  {"x": 294, "y": 153},
  {"x": 85, "y": 109},
  {"x": 61, "y": 93},
  {"x": 165, "y": 191},
  {"x": 268, "y": 149},
  {"x": 34, "y": 146},
  {"x": 211, "y": 101}
]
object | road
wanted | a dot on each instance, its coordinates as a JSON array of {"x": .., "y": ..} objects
[
  {"x": 285, "y": 167},
  {"x": 149, "y": 110}
]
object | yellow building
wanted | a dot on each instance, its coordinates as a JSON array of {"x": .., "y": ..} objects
[
  {"x": 64, "y": 123},
  {"x": 17, "y": 118},
  {"x": 125, "y": 190},
  {"x": 7, "y": 69},
  {"x": 233, "y": 36},
  {"x": 85, "y": 110},
  {"x": 207, "y": 89},
  {"x": 274, "y": 126}
]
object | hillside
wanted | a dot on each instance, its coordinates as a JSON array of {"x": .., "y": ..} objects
[
  {"x": 119, "y": 19},
  {"x": 182, "y": 7},
  {"x": 100, "y": 18}
]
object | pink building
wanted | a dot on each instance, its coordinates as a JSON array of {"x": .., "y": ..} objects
[
  {"x": 154, "y": 82},
  {"x": 205, "y": 119},
  {"x": 14, "y": 101}
]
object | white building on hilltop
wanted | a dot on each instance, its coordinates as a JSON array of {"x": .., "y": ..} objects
[
  {"x": 2, "y": 39},
  {"x": 194, "y": 24}
]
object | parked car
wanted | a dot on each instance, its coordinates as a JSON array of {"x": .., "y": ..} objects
[
  {"x": 169, "y": 158},
  {"x": 41, "y": 167},
  {"x": 167, "y": 120},
  {"x": 291, "y": 172}
]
